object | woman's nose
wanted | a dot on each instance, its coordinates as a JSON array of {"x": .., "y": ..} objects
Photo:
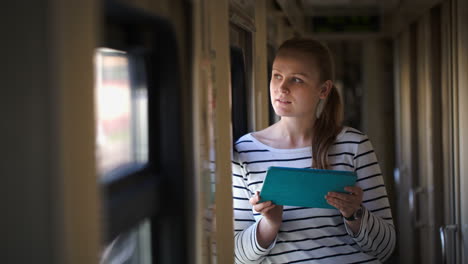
[{"x": 283, "y": 88}]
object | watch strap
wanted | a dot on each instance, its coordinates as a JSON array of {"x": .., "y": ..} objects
[
  {"x": 356, "y": 215},
  {"x": 350, "y": 218}
]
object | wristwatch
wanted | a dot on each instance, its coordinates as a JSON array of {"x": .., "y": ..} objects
[{"x": 355, "y": 216}]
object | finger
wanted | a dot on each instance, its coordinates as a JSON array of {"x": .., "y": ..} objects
[
  {"x": 340, "y": 203},
  {"x": 255, "y": 198},
  {"x": 261, "y": 206},
  {"x": 343, "y": 210},
  {"x": 343, "y": 196},
  {"x": 346, "y": 208},
  {"x": 354, "y": 190},
  {"x": 267, "y": 209},
  {"x": 345, "y": 204},
  {"x": 335, "y": 204},
  {"x": 351, "y": 197}
]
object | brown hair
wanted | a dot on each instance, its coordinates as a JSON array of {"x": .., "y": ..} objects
[{"x": 329, "y": 124}]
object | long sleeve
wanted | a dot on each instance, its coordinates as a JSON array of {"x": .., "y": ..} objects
[
  {"x": 247, "y": 249},
  {"x": 377, "y": 236}
]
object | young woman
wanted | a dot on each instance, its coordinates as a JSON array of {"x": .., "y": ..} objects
[{"x": 309, "y": 134}]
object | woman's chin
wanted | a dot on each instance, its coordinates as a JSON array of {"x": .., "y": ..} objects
[
  {"x": 282, "y": 111},
  {"x": 284, "y": 114}
]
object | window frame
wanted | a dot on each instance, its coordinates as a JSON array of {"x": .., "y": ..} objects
[
  {"x": 239, "y": 94},
  {"x": 155, "y": 191}
]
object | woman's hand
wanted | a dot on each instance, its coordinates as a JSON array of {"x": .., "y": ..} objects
[
  {"x": 346, "y": 203},
  {"x": 270, "y": 211},
  {"x": 270, "y": 223}
]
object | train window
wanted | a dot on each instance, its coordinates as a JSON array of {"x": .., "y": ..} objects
[
  {"x": 121, "y": 104},
  {"x": 133, "y": 246},
  {"x": 239, "y": 94},
  {"x": 121, "y": 113},
  {"x": 272, "y": 117},
  {"x": 241, "y": 80},
  {"x": 139, "y": 139}
]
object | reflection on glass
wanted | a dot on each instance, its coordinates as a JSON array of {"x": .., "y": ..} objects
[
  {"x": 121, "y": 112},
  {"x": 132, "y": 247}
]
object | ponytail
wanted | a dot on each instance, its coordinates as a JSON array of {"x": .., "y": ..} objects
[{"x": 326, "y": 127}]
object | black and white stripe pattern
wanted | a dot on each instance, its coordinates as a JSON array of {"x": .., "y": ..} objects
[{"x": 312, "y": 235}]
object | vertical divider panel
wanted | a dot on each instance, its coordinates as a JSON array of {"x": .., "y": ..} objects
[
  {"x": 260, "y": 75},
  {"x": 220, "y": 53},
  {"x": 405, "y": 161},
  {"x": 462, "y": 107}
]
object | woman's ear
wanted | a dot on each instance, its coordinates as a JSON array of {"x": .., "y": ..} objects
[{"x": 325, "y": 89}]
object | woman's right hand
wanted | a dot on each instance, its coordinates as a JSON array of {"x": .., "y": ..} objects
[
  {"x": 270, "y": 223},
  {"x": 269, "y": 210}
]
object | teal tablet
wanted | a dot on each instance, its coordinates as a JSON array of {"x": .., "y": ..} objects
[{"x": 304, "y": 187}]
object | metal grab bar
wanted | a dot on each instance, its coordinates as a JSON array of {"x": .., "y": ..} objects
[
  {"x": 413, "y": 203},
  {"x": 443, "y": 230}
]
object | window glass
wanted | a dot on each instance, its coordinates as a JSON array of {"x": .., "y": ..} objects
[
  {"x": 121, "y": 111},
  {"x": 131, "y": 247}
]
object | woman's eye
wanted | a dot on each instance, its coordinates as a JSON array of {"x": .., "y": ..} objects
[
  {"x": 297, "y": 80},
  {"x": 277, "y": 76}
]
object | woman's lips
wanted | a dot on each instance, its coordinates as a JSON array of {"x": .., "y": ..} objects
[{"x": 282, "y": 101}]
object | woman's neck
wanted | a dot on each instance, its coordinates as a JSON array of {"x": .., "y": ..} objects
[
  {"x": 288, "y": 133},
  {"x": 295, "y": 132}
]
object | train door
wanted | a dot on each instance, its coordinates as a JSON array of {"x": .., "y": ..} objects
[
  {"x": 427, "y": 190},
  {"x": 462, "y": 177},
  {"x": 431, "y": 151},
  {"x": 405, "y": 117},
  {"x": 419, "y": 140},
  {"x": 454, "y": 232}
]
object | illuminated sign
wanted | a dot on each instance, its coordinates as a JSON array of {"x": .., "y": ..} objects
[{"x": 348, "y": 24}]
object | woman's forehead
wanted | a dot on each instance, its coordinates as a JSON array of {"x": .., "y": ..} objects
[{"x": 294, "y": 61}]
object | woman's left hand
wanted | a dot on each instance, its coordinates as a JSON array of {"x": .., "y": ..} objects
[{"x": 346, "y": 203}]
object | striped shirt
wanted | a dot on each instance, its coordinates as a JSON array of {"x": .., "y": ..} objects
[{"x": 312, "y": 235}]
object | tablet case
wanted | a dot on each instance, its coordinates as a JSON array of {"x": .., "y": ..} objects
[{"x": 304, "y": 187}]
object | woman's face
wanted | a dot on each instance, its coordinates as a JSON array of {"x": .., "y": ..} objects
[{"x": 295, "y": 85}]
